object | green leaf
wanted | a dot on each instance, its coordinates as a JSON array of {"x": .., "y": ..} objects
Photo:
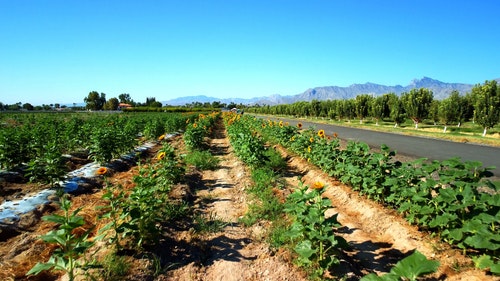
[
  {"x": 442, "y": 220},
  {"x": 55, "y": 236},
  {"x": 304, "y": 249},
  {"x": 483, "y": 240},
  {"x": 455, "y": 234},
  {"x": 385, "y": 277},
  {"x": 483, "y": 262},
  {"x": 414, "y": 266},
  {"x": 495, "y": 269},
  {"x": 39, "y": 267},
  {"x": 54, "y": 218}
]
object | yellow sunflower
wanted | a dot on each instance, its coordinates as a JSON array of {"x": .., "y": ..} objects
[
  {"x": 299, "y": 125},
  {"x": 321, "y": 133},
  {"x": 318, "y": 185},
  {"x": 160, "y": 155},
  {"x": 102, "y": 171},
  {"x": 161, "y": 137}
]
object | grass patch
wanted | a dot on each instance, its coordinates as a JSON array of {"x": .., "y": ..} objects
[
  {"x": 265, "y": 205},
  {"x": 114, "y": 267},
  {"x": 208, "y": 223},
  {"x": 177, "y": 209},
  {"x": 202, "y": 160},
  {"x": 275, "y": 161},
  {"x": 277, "y": 237}
]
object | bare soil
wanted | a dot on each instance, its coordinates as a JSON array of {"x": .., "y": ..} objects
[{"x": 378, "y": 237}]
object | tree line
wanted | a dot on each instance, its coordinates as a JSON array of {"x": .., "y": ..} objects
[
  {"x": 481, "y": 105},
  {"x": 97, "y": 101}
]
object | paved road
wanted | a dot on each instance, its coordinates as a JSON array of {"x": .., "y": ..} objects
[{"x": 432, "y": 149}]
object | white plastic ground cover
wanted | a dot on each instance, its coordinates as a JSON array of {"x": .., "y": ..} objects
[{"x": 11, "y": 210}]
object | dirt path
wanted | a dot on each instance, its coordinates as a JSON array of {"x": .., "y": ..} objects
[{"x": 235, "y": 252}]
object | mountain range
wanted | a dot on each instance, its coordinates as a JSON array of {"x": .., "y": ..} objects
[{"x": 440, "y": 90}]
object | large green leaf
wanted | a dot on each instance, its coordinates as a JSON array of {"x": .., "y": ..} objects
[
  {"x": 485, "y": 262},
  {"x": 385, "y": 277},
  {"x": 304, "y": 249},
  {"x": 414, "y": 266},
  {"x": 483, "y": 239}
]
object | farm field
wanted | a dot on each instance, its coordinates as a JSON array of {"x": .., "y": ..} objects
[{"x": 211, "y": 225}]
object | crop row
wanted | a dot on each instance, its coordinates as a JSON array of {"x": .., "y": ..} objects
[
  {"x": 39, "y": 142},
  {"x": 451, "y": 199},
  {"x": 299, "y": 223},
  {"x": 133, "y": 217}
]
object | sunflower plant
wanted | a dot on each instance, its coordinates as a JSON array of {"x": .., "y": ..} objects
[
  {"x": 49, "y": 167},
  {"x": 311, "y": 232},
  {"x": 70, "y": 246}
]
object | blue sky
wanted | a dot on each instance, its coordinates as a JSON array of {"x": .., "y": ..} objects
[{"x": 54, "y": 51}]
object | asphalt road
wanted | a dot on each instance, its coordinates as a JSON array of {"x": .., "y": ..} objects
[{"x": 419, "y": 147}]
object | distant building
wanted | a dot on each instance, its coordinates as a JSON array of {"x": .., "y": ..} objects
[{"x": 123, "y": 105}]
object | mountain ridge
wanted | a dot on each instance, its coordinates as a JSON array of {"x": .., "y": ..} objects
[{"x": 440, "y": 90}]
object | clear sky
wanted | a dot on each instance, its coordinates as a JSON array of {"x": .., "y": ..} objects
[{"x": 57, "y": 51}]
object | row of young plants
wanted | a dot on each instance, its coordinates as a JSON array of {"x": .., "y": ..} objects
[
  {"x": 132, "y": 219},
  {"x": 451, "y": 199},
  {"x": 198, "y": 128},
  {"x": 298, "y": 221},
  {"x": 36, "y": 143}
]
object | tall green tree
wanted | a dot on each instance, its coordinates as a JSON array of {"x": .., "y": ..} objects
[
  {"x": 348, "y": 109},
  {"x": 303, "y": 109},
  {"x": 126, "y": 98},
  {"x": 362, "y": 106},
  {"x": 151, "y": 102},
  {"x": 94, "y": 101},
  {"x": 397, "y": 112},
  {"x": 28, "y": 106},
  {"x": 111, "y": 104},
  {"x": 486, "y": 100},
  {"x": 315, "y": 108},
  {"x": 450, "y": 110},
  {"x": 468, "y": 108},
  {"x": 377, "y": 108},
  {"x": 434, "y": 111},
  {"x": 417, "y": 104}
]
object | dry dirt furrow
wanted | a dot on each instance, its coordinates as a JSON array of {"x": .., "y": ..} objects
[{"x": 236, "y": 252}]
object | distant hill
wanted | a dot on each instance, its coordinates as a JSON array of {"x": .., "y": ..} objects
[
  {"x": 204, "y": 99},
  {"x": 440, "y": 89}
]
